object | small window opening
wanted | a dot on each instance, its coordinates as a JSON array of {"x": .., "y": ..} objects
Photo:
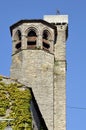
[
  {"x": 19, "y": 35},
  {"x": 31, "y": 39},
  {"x": 46, "y": 44},
  {"x": 45, "y": 35},
  {"x": 18, "y": 40},
  {"x": 31, "y": 43},
  {"x": 18, "y": 45},
  {"x": 32, "y": 33}
]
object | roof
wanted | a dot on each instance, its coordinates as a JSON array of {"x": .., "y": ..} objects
[
  {"x": 32, "y": 21},
  {"x": 35, "y": 21},
  {"x": 56, "y": 18}
]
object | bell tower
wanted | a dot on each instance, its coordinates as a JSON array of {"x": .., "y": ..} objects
[
  {"x": 33, "y": 61},
  {"x": 38, "y": 61}
]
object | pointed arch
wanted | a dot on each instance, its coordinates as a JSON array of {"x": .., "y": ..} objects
[
  {"x": 46, "y": 36},
  {"x": 31, "y": 35}
]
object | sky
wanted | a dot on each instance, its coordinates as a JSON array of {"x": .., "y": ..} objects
[{"x": 13, "y": 11}]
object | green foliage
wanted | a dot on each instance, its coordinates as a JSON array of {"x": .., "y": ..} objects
[
  {"x": 0, "y": 77},
  {"x": 15, "y": 104},
  {"x": 3, "y": 125}
]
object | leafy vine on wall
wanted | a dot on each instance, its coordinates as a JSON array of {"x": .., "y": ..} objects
[{"x": 15, "y": 104}]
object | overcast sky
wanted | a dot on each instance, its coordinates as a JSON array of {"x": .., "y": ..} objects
[{"x": 13, "y": 11}]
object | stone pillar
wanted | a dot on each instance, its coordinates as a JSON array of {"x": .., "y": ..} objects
[
  {"x": 60, "y": 22},
  {"x": 24, "y": 41}
]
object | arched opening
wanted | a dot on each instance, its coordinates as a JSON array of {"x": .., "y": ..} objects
[
  {"x": 18, "y": 45},
  {"x": 18, "y": 40},
  {"x": 45, "y": 40},
  {"x": 31, "y": 39}
]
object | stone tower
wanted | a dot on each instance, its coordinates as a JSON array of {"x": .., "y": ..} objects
[
  {"x": 61, "y": 22},
  {"x": 38, "y": 61}
]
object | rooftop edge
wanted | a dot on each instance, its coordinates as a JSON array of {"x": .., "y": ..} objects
[{"x": 56, "y": 18}]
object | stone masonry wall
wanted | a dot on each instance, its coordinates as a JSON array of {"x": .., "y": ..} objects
[
  {"x": 37, "y": 73},
  {"x": 59, "y": 71},
  {"x": 16, "y": 67},
  {"x": 60, "y": 80},
  {"x": 59, "y": 96}
]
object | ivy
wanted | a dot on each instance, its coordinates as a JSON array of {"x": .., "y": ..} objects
[
  {"x": 15, "y": 104},
  {"x": 1, "y": 77}
]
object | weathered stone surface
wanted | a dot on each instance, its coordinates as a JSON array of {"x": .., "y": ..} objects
[
  {"x": 37, "y": 72},
  {"x": 59, "y": 71},
  {"x": 44, "y": 71},
  {"x": 56, "y": 18}
]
